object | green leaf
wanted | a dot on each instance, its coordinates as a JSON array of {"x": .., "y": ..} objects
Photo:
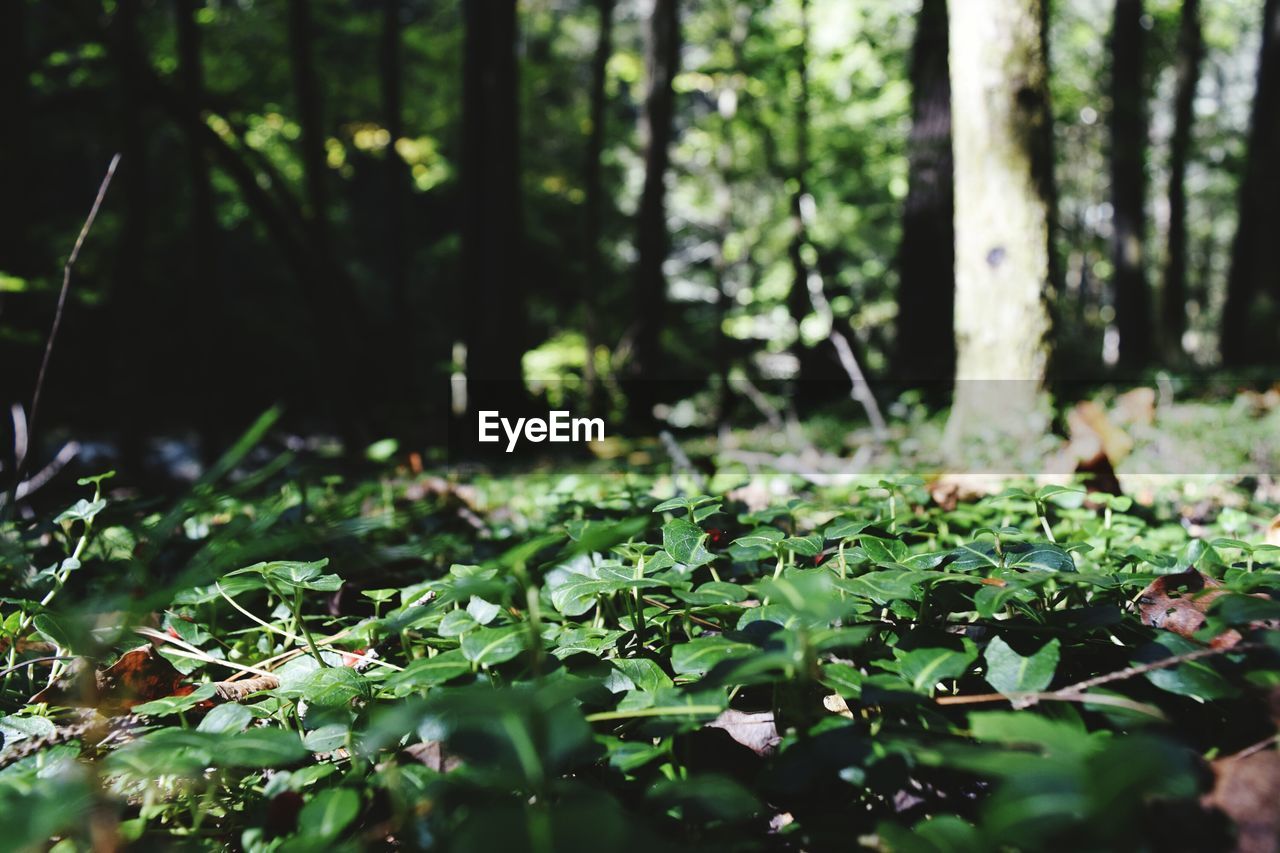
[
  {"x": 700, "y": 655},
  {"x": 492, "y": 646},
  {"x": 81, "y": 510},
  {"x": 326, "y": 738},
  {"x": 330, "y": 686},
  {"x": 883, "y": 552},
  {"x": 924, "y": 668},
  {"x": 682, "y": 539},
  {"x": 761, "y": 537},
  {"x": 227, "y": 718},
  {"x": 805, "y": 546},
  {"x": 329, "y": 812},
  {"x": 456, "y": 623},
  {"x": 15, "y": 728},
  {"x": 173, "y": 704},
  {"x": 845, "y": 528},
  {"x": 643, "y": 673},
  {"x": 683, "y": 503},
  {"x": 1009, "y": 672}
]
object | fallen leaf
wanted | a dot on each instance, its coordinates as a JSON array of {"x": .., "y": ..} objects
[
  {"x": 1247, "y": 789},
  {"x": 835, "y": 704},
  {"x": 756, "y": 731},
  {"x": 1136, "y": 407},
  {"x": 950, "y": 490},
  {"x": 1178, "y": 602},
  {"x": 140, "y": 675},
  {"x": 433, "y": 755}
]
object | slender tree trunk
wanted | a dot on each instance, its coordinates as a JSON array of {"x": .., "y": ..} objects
[
  {"x": 925, "y": 343},
  {"x": 1129, "y": 184},
  {"x": 593, "y": 281},
  {"x": 306, "y": 91},
  {"x": 652, "y": 239},
  {"x": 131, "y": 305},
  {"x": 1001, "y": 135},
  {"x": 15, "y": 254},
  {"x": 798, "y": 298},
  {"x": 395, "y": 201},
  {"x": 492, "y": 237},
  {"x": 1174, "y": 301},
  {"x": 191, "y": 72},
  {"x": 1246, "y": 337}
]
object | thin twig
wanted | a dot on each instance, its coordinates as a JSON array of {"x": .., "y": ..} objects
[
  {"x": 41, "y": 478},
  {"x": 57, "y": 321},
  {"x": 29, "y": 661},
  {"x": 295, "y": 638},
  {"x": 1077, "y": 692},
  {"x": 186, "y": 650},
  {"x": 1252, "y": 750},
  {"x": 1163, "y": 663}
]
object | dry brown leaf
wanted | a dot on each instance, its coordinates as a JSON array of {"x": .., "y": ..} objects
[
  {"x": 1136, "y": 407},
  {"x": 1247, "y": 789},
  {"x": 140, "y": 675},
  {"x": 835, "y": 704},
  {"x": 432, "y": 754},
  {"x": 950, "y": 490},
  {"x": 756, "y": 731},
  {"x": 1273, "y": 532},
  {"x": 1178, "y": 603}
]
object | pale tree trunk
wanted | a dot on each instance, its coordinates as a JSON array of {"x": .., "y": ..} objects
[{"x": 1001, "y": 135}]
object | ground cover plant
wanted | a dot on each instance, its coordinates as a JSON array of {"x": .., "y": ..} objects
[{"x": 436, "y": 667}]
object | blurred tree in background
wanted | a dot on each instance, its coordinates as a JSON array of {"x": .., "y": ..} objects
[{"x": 637, "y": 206}]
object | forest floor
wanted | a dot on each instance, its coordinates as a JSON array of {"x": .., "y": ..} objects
[{"x": 738, "y": 643}]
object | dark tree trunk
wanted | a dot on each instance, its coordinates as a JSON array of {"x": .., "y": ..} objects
[
  {"x": 925, "y": 341},
  {"x": 593, "y": 209},
  {"x": 1129, "y": 184},
  {"x": 798, "y": 299},
  {"x": 191, "y": 73},
  {"x": 1246, "y": 338},
  {"x": 15, "y": 255},
  {"x": 306, "y": 91},
  {"x": 1174, "y": 302},
  {"x": 652, "y": 239},
  {"x": 131, "y": 304},
  {"x": 396, "y": 190},
  {"x": 492, "y": 238}
]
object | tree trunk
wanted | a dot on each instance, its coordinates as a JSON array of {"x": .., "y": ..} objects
[
  {"x": 491, "y": 223},
  {"x": 652, "y": 239},
  {"x": 1001, "y": 136},
  {"x": 925, "y": 344},
  {"x": 1247, "y": 337},
  {"x": 395, "y": 200},
  {"x": 798, "y": 298},
  {"x": 1129, "y": 185},
  {"x": 15, "y": 254},
  {"x": 203, "y": 221},
  {"x": 307, "y": 93},
  {"x": 593, "y": 209},
  {"x": 1174, "y": 302}
]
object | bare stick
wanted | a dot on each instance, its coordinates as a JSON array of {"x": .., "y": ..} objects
[
  {"x": 1076, "y": 692},
  {"x": 860, "y": 389},
  {"x": 57, "y": 318}
]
